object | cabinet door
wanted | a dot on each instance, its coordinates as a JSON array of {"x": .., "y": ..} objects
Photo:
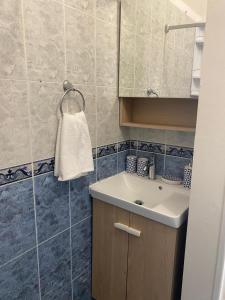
[
  {"x": 110, "y": 250},
  {"x": 151, "y": 261}
]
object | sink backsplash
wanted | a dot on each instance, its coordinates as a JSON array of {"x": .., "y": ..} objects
[{"x": 170, "y": 159}]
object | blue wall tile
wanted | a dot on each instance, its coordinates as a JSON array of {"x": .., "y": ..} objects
[
  {"x": 80, "y": 199},
  {"x": 19, "y": 278},
  {"x": 82, "y": 287},
  {"x": 146, "y": 154},
  {"x": 159, "y": 164},
  {"x": 54, "y": 259},
  {"x": 106, "y": 166},
  {"x": 133, "y": 152},
  {"x": 17, "y": 226},
  {"x": 62, "y": 291},
  {"x": 81, "y": 247},
  {"x": 122, "y": 161},
  {"x": 175, "y": 166},
  {"x": 52, "y": 206},
  {"x": 92, "y": 175}
]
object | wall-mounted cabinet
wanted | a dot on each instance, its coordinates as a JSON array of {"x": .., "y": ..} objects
[
  {"x": 159, "y": 113},
  {"x": 150, "y": 57}
]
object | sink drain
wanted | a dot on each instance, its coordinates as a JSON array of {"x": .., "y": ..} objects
[{"x": 138, "y": 202}]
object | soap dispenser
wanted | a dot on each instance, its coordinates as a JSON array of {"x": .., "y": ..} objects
[
  {"x": 151, "y": 174},
  {"x": 187, "y": 176}
]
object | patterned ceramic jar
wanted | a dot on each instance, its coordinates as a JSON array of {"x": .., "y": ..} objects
[
  {"x": 131, "y": 164},
  {"x": 187, "y": 176},
  {"x": 142, "y": 166}
]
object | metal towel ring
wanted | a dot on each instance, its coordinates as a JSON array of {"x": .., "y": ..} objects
[{"x": 68, "y": 87}]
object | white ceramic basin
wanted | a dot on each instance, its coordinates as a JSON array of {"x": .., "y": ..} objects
[{"x": 167, "y": 204}]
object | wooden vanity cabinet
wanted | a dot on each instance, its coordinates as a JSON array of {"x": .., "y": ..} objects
[
  {"x": 110, "y": 250},
  {"x": 126, "y": 267}
]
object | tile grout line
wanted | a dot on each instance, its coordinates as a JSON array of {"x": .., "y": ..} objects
[
  {"x": 53, "y": 236},
  {"x": 65, "y": 38},
  {"x": 65, "y": 74},
  {"x": 71, "y": 252},
  {"x": 31, "y": 147},
  {"x": 96, "y": 94},
  {"x": 17, "y": 257}
]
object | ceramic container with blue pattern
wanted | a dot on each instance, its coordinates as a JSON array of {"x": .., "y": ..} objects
[
  {"x": 131, "y": 164},
  {"x": 142, "y": 166},
  {"x": 187, "y": 176}
]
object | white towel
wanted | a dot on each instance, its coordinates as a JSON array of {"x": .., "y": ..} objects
[{"x": 73, "y": 157}]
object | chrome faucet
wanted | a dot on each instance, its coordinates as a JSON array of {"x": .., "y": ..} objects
[{"x": 151, "y": 174}]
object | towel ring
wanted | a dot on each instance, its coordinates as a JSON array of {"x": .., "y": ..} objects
[{"x": 68, "y": 87}]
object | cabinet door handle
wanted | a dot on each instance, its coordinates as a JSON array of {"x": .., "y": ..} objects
[{"x": 128, "y": 229}]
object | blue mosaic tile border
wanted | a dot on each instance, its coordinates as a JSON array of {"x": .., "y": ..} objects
[
  {"x": 183, "y": 152},
  {"x": 133, "y": 145},
  {"x": 123, "y": 146},
  {"x": 106, "y": 150},
  {"x": 44, "y": 166},
  {"x": 151, "y": 147},
  {"x": 16, "y": 173}
]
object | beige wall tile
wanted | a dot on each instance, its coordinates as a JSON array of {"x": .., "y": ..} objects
[
  {"x": 106, "y": 128},
  {"x": 91, "y": 120},
  {"x": 44, "y": 40},
  {"x": 107, "y": 100},
  {"x": 12, "y": 61},
  {"x": 80, "y": 43},
  {"x": 14, "y": 124},
  {"x": 87, "y": 6},
  {"x": 107, "y": 10},
  {"x": 106, "y": 54},
  {"x": 76, "y": 103},
  {"x": 44, "y": 101}
]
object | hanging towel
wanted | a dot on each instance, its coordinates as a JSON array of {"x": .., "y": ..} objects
[{"x": 73, "y": 157}]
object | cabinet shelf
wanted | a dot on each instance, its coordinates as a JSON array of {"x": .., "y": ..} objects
[
  {"x": 159, "y": 113},
  {"x": 158, "y": 126}
]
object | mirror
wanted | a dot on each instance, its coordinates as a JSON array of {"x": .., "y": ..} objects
[{"x": 154, "y": 62}]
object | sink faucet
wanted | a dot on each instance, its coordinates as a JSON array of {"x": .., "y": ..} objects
[{"x": 151, "y": 174}]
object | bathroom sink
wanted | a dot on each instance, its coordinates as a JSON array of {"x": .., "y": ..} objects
[{"x": 155, "y": 200}]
